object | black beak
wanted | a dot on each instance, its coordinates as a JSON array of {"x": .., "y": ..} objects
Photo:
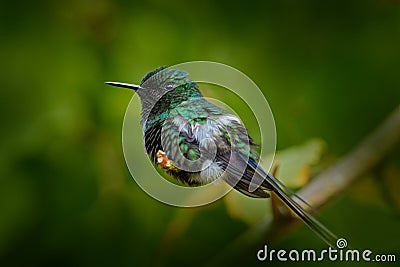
[{"x": 124, "y": 85}]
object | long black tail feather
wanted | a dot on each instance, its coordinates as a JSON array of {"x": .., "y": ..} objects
[{"x": 316, "y": 226}]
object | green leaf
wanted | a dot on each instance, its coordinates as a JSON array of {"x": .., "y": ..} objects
[
  {"x": 294, "y": 163},
  {"x": 250, "y": 210}
]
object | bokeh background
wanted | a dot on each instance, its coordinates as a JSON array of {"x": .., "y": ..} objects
[{"x": 329, "y": 69}]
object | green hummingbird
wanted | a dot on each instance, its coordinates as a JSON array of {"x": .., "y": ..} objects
[{"x": 197, "y": 142}]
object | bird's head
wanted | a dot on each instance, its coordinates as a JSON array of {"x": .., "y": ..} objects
[{"x": 171, "y": 86}]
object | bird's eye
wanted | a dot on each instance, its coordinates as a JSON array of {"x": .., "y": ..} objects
[{"x": 169, "y": 86}]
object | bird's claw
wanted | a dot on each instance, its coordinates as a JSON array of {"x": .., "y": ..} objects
[{"x": 162, "y": 160}]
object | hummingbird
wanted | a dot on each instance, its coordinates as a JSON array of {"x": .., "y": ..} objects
[{"x": 197, "y": 142}]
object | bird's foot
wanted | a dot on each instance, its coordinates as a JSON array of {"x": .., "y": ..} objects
[{"x": 163, "y": 161}]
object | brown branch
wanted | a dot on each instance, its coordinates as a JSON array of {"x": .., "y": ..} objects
[
  {"x": 361, "y": 159},
  {"x": 328, "y": 184}
]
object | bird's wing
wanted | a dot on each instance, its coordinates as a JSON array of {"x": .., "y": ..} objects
[
  {"x": 236, "y": 162},
  {"x": 191, "y": 133}
]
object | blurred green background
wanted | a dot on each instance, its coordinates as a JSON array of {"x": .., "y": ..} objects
[{"x": 328, "y": 69}]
